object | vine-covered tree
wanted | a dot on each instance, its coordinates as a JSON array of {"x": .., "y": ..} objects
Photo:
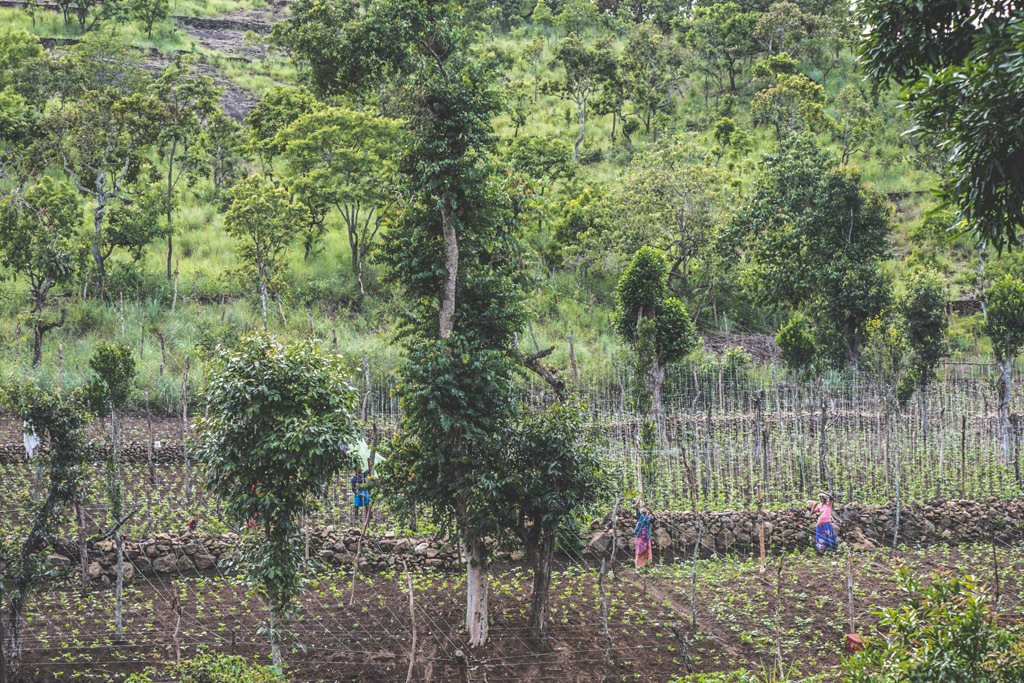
[
  {"x": 270, "y": 442},
  {"x": 1004, "y": 325},
  {"x": 453, "y": 250},
  {"x": 40, "y": 239}
]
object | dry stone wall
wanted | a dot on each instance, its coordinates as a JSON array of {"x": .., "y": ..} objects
[
  {"x": 674, "y": 533},
  {"x": 859, "y": 526}
]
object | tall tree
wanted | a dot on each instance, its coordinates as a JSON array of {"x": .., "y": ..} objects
[
  {"x": 651, "y": 67},
  {"x": 109, "y": 392},
  {"x": 101, "y": 142},
  {"x": 264, "y": 219},
  {"x": 453, "y": 250},
  {"x": 583, "y": 70},
  {"x": 957, "y": 63},
  {"x": 812, "y": 236},
  {"x": 40, "y": 238},
  {"x": 1004, "y": 325},
  {"x": 270, "y": 444},
  {"x": 349, "y": 159},
  {"x": 187, "y": 100}
]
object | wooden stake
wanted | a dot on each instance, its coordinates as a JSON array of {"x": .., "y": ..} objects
[{"x": 572, "y": 361}]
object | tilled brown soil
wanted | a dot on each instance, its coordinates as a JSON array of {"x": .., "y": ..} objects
[{"x": 649, "y": 634}]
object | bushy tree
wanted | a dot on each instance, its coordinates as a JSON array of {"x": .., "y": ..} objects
[
  {"x": 1004, "y": 325},
  {"x": 796, "y": 342},
  {"x": 654, "y": 323},
  {"x": 40, "y": 239},
  {"x": 270, "y": 442},
  {"x": 944, "y": 631},
  {"x": 554, "y": 472},
  {"x": 722, "y": 34},
  {"x": 812, "y": 236}
]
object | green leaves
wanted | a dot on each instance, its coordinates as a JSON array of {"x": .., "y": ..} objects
[
  {"x": 277, "y": 416},
  {"x": 1004, "y": 321},
  {"x": 943, "y": 633}
]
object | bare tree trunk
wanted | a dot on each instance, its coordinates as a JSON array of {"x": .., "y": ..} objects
[
  {"x": 275, "y": 636},
  {"x": 83, "y": 551},
  {"x": 581, "y": 109},
  {"x": 476, "y": 593},
  {"x": 446, "y": 319},
  {"x": 263, "y": 296},
  {"x": 16, "y": 622}
]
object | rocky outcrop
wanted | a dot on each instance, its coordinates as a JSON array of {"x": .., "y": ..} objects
[{"x": 859, "y": 526}]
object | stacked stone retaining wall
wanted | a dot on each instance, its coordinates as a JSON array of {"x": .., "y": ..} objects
[{"x": 862, "y": 527}]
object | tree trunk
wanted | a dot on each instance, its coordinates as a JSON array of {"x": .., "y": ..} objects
[
  {"x": 16, "y": 620},
  {"x": 1005, "y": 393},
  {"x": 540, "y": 559},
  {"x": 170, "y": 196},
  {"x": 580, "y": 118},
  {"x": 476, "y": 593},
  {"x": 275, "y": 636},
  {"x": 263, "y": 295},
  {"x": 446, "y": 319},
  {"x": 37, "y": 345},
  {"x": 97, "y": 256}
]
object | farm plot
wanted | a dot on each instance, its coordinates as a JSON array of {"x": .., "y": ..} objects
[{"x": 744, "y": 619}]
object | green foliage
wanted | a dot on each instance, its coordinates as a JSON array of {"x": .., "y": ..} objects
[
  {"x": 211, "y": 667},
  {"x": 270, "y": 441},
  {"x": 263, "y": 218},
  {"x": 347, "y": 160},
  {"x": 114, "y": 365},
  {"x": 812, "y": 235},
  {"x": 643, "y": 293},
  {"x": 959, "y": 63},
  {"x": 149, "y": 12},
  {"x": 923, "y": 308},
  {"x": 723, "y": 35},
  {"x": 886, "y": 356},
  {"x": 1004, "y": 321},
  {"x": 945, "y": 632},
  {"x": 797, "y": 344}
]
